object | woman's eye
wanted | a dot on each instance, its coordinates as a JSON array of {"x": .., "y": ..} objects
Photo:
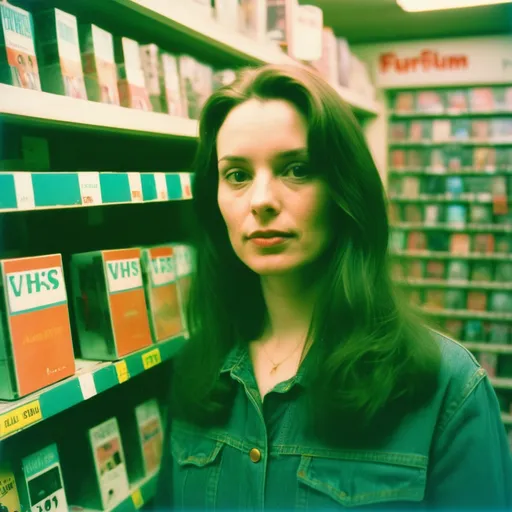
[
  {"x": 298, "y": 170},
  {"x": 237, "y": 176}
]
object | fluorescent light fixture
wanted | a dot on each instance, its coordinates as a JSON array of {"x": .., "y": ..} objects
[{"x": 437, "y": 5}]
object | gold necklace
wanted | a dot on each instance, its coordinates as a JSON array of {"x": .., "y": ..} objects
[{"x": 275, "y": 366}]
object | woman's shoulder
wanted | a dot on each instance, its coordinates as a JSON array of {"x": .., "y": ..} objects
[{"x": 459, "y": 374}]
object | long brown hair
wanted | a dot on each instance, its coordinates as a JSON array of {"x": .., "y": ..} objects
[{"x": 372, "y": 359}]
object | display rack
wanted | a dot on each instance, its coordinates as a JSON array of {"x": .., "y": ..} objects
[
  {"x": 94, "y": 178},
  {"x": 450, "y": 195}
]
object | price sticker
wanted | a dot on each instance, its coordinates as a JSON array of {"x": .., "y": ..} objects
[
  {"x": 138, "y": 500},
  {"x": 135, "y": 186},
  {"x": 90, "y": 189},
  {"x": 186, "y": 189},
  {"x": 151, "y": 358},
  {"x": 161, "y": 186},
  {"x": 19, "y": 418},
  {"x": 123, "y": 373},
  {"x": 24, "y": 190}
]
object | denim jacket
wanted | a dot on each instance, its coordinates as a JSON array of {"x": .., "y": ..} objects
[{"x": 452, "y": 453}]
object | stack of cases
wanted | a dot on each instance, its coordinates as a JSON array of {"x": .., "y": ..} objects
[
  {"x": 18, "y": 62},
  {"x": 451, "y": 167},
  {"x": 162, "y": 81}
]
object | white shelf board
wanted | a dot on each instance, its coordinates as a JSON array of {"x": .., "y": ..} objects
[{"x": 61, "y": 110}]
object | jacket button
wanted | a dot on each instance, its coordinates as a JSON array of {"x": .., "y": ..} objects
[{"x": 255, "y": 455}]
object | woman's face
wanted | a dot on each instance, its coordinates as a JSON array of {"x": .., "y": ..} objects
[{"x": 275, "y": 207}]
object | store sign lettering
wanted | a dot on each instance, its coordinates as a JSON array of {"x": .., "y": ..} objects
[{"x": 427, "y": 60}]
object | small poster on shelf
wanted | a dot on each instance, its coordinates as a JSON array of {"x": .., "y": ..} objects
[
  {"x": 481, "y": 99},
  {"x": 404, "y": 102},
  {"x": 457, "y": 101},
  {"x": 430, "y": 102}
]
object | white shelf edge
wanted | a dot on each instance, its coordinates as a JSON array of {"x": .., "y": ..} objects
[{"x": 57, "y": 109}]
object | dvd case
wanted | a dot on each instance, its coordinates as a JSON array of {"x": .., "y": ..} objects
[
  {"x": 477, "y": 301},
  {"x": 131, "y": 81},
  {"x": 430, "y": 102},
  {"x": 481, "y": 99},
  {"x": 110, "y": 305},
  {"x": 404, "y": 103},
  {"x": 18, "y": 62},
  {"x": 36, "y": 348},
  {"x": 456, "y": 101},
  {"x": 59, "y": 53},
  {"x": 97, "y": 46},
  {"x": 458, "y": 270},
  {"x": 42, "y": 486}
]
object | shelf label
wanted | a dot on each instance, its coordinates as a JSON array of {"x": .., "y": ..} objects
[
  {"x": 161, "y": 186},
  {"x": 186, "y": 190},
  {"x": 151, "y": 358},
  {"x": 123, "y": 373},
  {"x": 138, "y": 500},
  {"x": 135, "y": 186},
  {"x": 20, "y": 417},
  {"x": 24, "y": 190},
  {"x": 90, "y": 189},
  {"x": 87, "y": 385}
]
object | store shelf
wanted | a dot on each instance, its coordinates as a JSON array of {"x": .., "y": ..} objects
[
  {"x": 465, "y": 285},
  {"x": 202, "y": 31},
  {"x": 91, "y": 378},
  {"x": 450, "y": 172},
  {"x": 494, "y": 348},
  {"x": 454, "y": 142},
  {"x": 433, "y": 198},
  {"x": 434, "y": 255},
  {"x": 501, "y": 383},
  {"x": 49, "y": 190},
  {"x": 506, "y": 418},
  {"x": 141, "y": 493},
  {"x": 358, "y": 103},
  {"x": 52, "y": 109},
  {"x": 477, "y": 228},
  {"x": 445, "y": 115},
  {"x": 467, "y": 314}
]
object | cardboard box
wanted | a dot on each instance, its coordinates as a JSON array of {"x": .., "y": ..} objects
[
  {"x": 18, "y": 62},
  {"x": 162, "y": 296},
  {"x": 41, "y": 486},
  {"x": 59, "y": 53},
  {"x": 110, "y": 306},
  {"x": 132, "y": 86},
  {"x": 36, "y": 348},
  {"x": 99, "y": 65}
]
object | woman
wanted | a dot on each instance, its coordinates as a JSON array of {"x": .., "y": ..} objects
[{"x": 306, "y": 383}]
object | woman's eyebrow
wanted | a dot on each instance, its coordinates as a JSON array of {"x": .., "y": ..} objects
[{"x": 299, "y": 152}]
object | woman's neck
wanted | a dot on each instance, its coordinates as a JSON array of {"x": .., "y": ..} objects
[{"x": 290, "y": 301}]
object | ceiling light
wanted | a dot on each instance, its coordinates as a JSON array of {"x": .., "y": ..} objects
[{"x": 436, "y": 5}]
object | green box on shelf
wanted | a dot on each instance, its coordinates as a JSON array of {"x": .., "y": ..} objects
[
  {"x": 40, "y": 482},
  {"x": 142, "y": 434},
  {"x": 95, "y": 467},
  {"x": 110, "y": 306},
  {"x": 36, "y": 348}
]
